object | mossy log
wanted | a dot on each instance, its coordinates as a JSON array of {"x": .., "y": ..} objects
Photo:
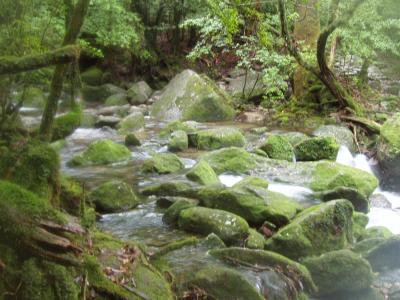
[
  {"x": 13, "y": 65},
  {"x": 369, "y": 125}
]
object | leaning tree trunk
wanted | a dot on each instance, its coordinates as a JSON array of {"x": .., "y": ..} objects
[{"x": 50, "y": 110}]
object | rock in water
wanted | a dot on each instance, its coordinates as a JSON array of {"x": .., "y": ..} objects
[
  {"x": 213, "y": 139},
  {"x": 339, "y": 271},
  {"x": 190, "y": 96},
  {"x": 139, "y": 93},
  {"x": 202, "y": 173},
  {"x": 317, "y": 148},
  {"x": 163, "y": 163},
  {"x": 178, "y": 141},
  {"x": 342, "y": 135},
  {"x": 318, "y": 229},
  {"x": 278, "y": 147},
  {"x": 231, "y": 228},
  {"x": 389, "y": 152},
  {"x": 114, "y": 196}
]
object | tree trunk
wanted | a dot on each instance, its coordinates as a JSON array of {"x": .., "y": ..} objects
[
  {"x": 13, "y": 65},
  {"x": 72, "y": 33}
]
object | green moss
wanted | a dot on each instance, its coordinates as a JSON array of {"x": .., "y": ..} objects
[
  {"x": 132, "y": 140},
  {"x": 223, "y": 283},
  {"x": 235, "y": 160},
  {"x": 114, "y": 196},
  {"x": 162, "y": 163},
  {"x": 34, "y": 285},
  {"x": 251, "y": 181},
  {"x": 33, "y": 165},
  {"x": 66, "y": 124},
  {"x": 231, "y": 228},
  {"x": 261, "y": 258},
  {"x": 171, "y": 215},
  {"x": 178, "y": 141},
  {"x": 295, "y": 137},
  {"x": 34, "y": 97},
  {"x": 255, "y": 240},
  {"x": 329, "y": 175},
  {"x": 101, "y": 152},
  {"x": 360, "y": 221},
  {"x": 175, "y": 246},
  {"x": 340, "y": 271},
  {"x": 117, "y": 99},
  {"x": 316, "y": 230},
  {"x": 378, "y": 232},
  {"x": 213, "y": 139},
  {"x": 317, "y": 148},
  {"x": 359, "y": 200},
  {"x": 175, "y": 188},
  {"x": 133, "y": 122},
  {"x": 100, "y": 93},
  {"x": 71, "y": 195},
  {"x": 384, "y": 254},
  {"x": 278, "y": 147},
  {"x": 203, "y": 174},
  {"x": 187, "y": 127},
  {"x": 92, "y": 76}
]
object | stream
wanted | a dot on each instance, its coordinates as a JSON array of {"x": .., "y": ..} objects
[{"x": 144, "y": 224}]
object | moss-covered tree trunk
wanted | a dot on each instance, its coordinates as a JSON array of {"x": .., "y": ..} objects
[
  {"x": 307, "y": 30},
  {"x": 72, "y": 33}
]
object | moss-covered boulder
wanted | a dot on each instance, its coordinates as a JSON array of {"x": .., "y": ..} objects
[
  {"x": 339, "y": 271},
  {"x": 203, "y": 174},
  {"x": 92, "y": 76},
  {"x": 213, "y": 139},
  {"x": 171, "y": 215},
  {"x": 99, "y": 94},
  {"x": 234, "y": 160},
  {"x": 254, "y": 205},
  {"x": 359, "y": 200},
  {"x": 187, "y": 126},
  {"x": 113, "y": 196},
  {"x": 360, "y": 222},
  {"x": 101, "y": 152},
  {"x": 178, "y": 141},
  {"x": 255, "y": 240},
  {"x": 139, "y": 93},
  {"x": 221, "y": 283},
  {"x": 295, "y": 137},
  {"x": 66, "y": 124},
  {"x": 330, "y": 175},
  {"x": 33, "y": 165},
  {"x": 189, "y": 96},
  {"x": 162, "y": 163},
  {"x": 389, "y": 151},
  {"x": 317, "y": 148},
  {"x": 117, "y": 100},
  {"x": 261, "y": 258},
  {"x": 133, "y": 122},
  {"x": 318, "y": 229},
  {"x": 341, "y": 134},
  {"x": 132, "y": 140},
  {"x": 377, "y": 232},
  {"x": 384, "y": 253},
  {"x": 278, "y": 147},
  {"x": 231, "y": 228},
  {"x": 251, "y": 181}
]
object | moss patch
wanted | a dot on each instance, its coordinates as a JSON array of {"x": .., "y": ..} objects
[
  {"x": 162, "y": 163},
  {"x": 203, "y": 174},
  {"x": 317, "y": 148},
  {"x": 278, "y": 147}
]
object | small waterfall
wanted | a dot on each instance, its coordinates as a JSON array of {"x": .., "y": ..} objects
[
  {"x": 360, "y": 161},
  {"x": 230, "y": 180}
]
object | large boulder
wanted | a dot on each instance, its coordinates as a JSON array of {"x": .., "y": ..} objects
[
  {"x": 261, "y": 258},
  {"x": 139, "y": 93},
  {"x": 113, "y": 196},
  {"x": 231, "y": 228},
  {"x": 213, "y": 139},
  {"x": 389, "y": 152},
  {"x": 133, "y": 122},
  {"x": 162, "y": 163},
  {"x": 339, "y": 271},
  {"x": 246, "y": 85},
  {"x": 278, "y": 147},
  {"x": 318, "y": 229},
  {"x": 171, "y": 215},
  {"x": 317, "y": 148},
  {"x": 342, "y": 135},
  {"x": 234, "y": 160},
  {"x": 203, "y": 174},
  {"x": 101, "y": 152},
  {"x": 190, "y": 96},
  {"x": 330, "y": 175},
  {"x": 256, "y": 205},
  {"x": 221, "y": 283}
]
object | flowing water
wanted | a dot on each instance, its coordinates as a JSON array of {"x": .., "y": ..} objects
[{"x": 144, "y": 224}]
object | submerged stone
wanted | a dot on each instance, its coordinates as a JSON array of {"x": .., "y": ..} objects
[
  {"x": 213, "y": 139},
  {"x": 231, "y": 228},
  {"x": 203, "y": 174},
  {"x": 101, "y": 152},
  {"x": 278, "y": 147},
  {"x": 189, "y": 96},
  {"x": 317, "y": 148},
  {"x": 330, "y": 175},
  {"x": 113, "y": 196},
  {"x": 339, "y": 271},
  {"x": 318, "y": 229},
  {"x": 162, "y": 163}
]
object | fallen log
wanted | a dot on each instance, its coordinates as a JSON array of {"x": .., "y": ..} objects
[
  {"x": 13, "y": 65},
  {"x": 369, "y": 125}
]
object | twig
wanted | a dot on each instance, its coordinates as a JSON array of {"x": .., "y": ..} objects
[{"x": 136, "y": 292}]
